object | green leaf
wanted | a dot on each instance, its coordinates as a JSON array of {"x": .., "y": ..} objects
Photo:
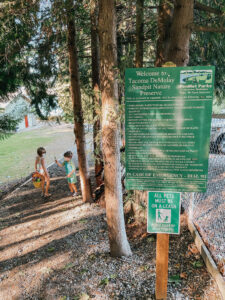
[
  {"x": 68, "y": 266},
  {"x": 92, "y": 257},
  {"x": 104, "y": 281},
  {"x": 174, "y": 279},
  {"x": 51, "y": 249},
  {"x": 197, "y": 264},
  {"x": 150, "y": 239},
  {"x": 144, "y": 268},
  {"x": 82, "y": 221}
]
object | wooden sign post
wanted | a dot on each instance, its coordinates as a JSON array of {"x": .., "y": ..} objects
[
  {"x": 162, "y": 255},
  {"x": 163, "y": 219}
]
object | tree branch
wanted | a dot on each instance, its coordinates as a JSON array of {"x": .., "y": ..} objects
[
  {"x": 208, "y": 29},
  {"x": 206, "y": 8}
]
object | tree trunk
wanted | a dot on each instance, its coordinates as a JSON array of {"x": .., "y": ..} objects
[
  {"x": 77, "y": 108},
  {"x": 96, "y": 90},
  {"x": 110, "y": 129},
  {"x": 165, "y": 11},
  {"x": 139, "y": 33},
  {"x": 120, "y": 85},
  {"x": 180, "y": 32}
]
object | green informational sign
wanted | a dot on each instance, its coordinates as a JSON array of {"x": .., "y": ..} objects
[
  {"x": 163, "y": 212},
  {"x": 168, "y": 118}
]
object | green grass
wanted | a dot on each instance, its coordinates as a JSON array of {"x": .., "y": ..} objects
[{"x": 18, "y": 152}]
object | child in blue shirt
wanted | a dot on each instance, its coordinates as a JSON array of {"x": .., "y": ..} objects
[{"x": 70, "y": 171}]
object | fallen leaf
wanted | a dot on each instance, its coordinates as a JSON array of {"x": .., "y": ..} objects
[
  {"x": 188, "y": 254},
  {"x": 100, "y": 273},
  {"x": 193, "y": 249},
  {"x": 183, "y": 275}
]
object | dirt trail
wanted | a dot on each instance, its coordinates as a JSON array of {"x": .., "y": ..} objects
[
  {"x": 57, "y": 249},
  {"x": 34, "y": 236}
]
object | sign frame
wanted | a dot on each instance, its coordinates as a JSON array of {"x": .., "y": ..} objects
[{"x": 190, "y": 175}]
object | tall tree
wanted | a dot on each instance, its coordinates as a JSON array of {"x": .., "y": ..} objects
[
  {"x": 96, "y": 88},
  {"x": 8, "y": 125},
  {"x": 18, "y": 23},
  {"x": 24, "y": 52},
  {"x": 76, "y": 99},
  {"x": 110, "y": 129},
  {"x": 203, "y": 25},
  {"x": 165, "y": 10},
  {"x": 180, "y": 32},
  {"x": 139, "y": 33}
]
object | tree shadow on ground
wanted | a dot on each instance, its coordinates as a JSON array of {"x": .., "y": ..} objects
[
  {"x": 39, "y": 235},
  {"x": 67, "y": 242},
  {"x": 103, "y": 277},
  {"x": 59, "y": 245},
  {"x": 18, "y": 208}
]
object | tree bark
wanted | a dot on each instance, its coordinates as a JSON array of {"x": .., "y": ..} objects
[
  {"x": 165, "y": 11},
  {"x": 119, "y": 245},
  {"x": 77, "y": 108},
  {"x": 96, "y": 88},
  {"x": 139, "y": 33},
  {"x": 180, "y": 32}
]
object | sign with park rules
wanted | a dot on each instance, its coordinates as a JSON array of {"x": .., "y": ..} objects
[
  {"x": 167, "y": 126},
  {"x": 163, "y": 212}
]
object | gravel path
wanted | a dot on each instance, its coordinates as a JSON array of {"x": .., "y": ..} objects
[
  {"x": 58, "y": 249},
  {"x": 208, "y": 213}
]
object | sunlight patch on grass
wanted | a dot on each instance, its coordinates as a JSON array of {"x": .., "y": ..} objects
[{"x": 18, "y": 152}]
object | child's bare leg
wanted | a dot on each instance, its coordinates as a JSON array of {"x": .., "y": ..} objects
[
  {"x": 43, "y": 184},
  {"x": 74, "y": 187},
  {"x": 70, "y": 186},
  {"x": 47, "y": 185}
]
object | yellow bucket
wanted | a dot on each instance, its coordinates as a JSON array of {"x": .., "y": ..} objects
[
  {"x": 37, "y": 184},
  {"x": 36, "y": 179}
]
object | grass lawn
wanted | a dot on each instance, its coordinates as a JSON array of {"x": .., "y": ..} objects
[{"x": 18, "y": 152}]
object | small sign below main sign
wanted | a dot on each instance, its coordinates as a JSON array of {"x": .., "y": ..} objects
[{"x": 164, "y": 212}]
